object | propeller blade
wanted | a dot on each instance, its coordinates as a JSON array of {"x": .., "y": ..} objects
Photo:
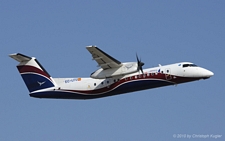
[
  {"x": 141, "y": 70},
  {"x": 140, "y": 64},
  {"x": 137, "y": 58}
]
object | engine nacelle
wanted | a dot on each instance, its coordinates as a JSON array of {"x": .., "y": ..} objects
[{"x": 126, "y": 68}]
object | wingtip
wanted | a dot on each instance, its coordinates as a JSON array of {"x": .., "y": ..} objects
[
  {"x": 13, "y": 54},
  {"x": 91, "y": 46}
]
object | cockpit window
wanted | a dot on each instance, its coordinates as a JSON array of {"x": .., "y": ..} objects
[{"x": 189, "y": 65}]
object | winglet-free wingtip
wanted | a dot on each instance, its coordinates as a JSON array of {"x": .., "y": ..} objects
[
  {"x": 91, "y": 46},
  {"x": 10, "y": 55}
]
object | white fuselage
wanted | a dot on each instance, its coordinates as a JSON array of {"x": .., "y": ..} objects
[{"x": 171, "y": 71}]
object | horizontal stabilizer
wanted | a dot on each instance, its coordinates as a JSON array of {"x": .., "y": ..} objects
[{"x": 20, "y": 57}]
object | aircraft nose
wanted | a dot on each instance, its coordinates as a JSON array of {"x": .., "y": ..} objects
[
  {"x": 207, "y": 73},
  {"x": 210, "y": 73}
]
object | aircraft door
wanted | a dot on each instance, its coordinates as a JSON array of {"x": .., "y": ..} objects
[{"x": 168, "y": 74}]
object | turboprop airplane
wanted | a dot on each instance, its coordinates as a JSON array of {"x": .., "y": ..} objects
[{"x": 112, "y": 78}]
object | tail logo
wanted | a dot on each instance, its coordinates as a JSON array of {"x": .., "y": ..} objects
[{"x": 41, "y": 83}]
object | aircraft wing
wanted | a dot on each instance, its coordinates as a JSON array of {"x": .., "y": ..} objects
[{"x": 104, "y": 60}]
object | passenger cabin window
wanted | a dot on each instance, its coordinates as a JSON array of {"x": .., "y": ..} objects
[{"x": 189, "y": 65}]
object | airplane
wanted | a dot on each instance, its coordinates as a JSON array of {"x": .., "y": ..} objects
[{"x": 112, "y": 78}]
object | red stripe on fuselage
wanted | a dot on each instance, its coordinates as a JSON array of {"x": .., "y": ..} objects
[{"x": 24, "y": 69}]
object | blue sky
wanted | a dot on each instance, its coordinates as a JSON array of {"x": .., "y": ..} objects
[{"x": 160, "y": 32}]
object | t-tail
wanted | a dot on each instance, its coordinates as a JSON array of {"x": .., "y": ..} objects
[{"x": 34, "y": 75}]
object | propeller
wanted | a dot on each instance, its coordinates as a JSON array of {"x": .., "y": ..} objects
[{"x": 140, "y": 64}]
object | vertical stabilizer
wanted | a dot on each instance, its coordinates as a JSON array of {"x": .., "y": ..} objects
[{"x": 34, "y": 75}]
